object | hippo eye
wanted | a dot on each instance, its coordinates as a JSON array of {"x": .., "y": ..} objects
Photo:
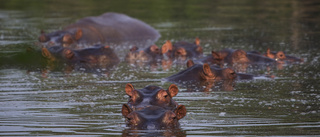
[{"x": 165, "y": 96}]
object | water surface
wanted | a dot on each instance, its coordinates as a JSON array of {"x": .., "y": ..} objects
[{"x": 89, "y": 104}]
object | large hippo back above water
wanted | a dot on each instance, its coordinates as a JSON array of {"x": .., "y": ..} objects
[{"x": 109, "y": 28}]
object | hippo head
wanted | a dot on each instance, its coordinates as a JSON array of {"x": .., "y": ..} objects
[
  {"x": 239, "y": 56},
  {"x": 151, "y": 96},
  {"x": 153, "y": 117},
  {"x": 207, "y": 72},
  {"x": 215, "y": 73},
  {"x": 61, "y": 37},
  {"x": 182, "y": 50},
  {"x": 56, "y": 53},
  {"x": 216, "y": 58},
  {"x": 136, "y": 55}
]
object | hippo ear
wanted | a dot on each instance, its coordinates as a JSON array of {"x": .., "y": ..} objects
[
  {"x": 45, "y": 53},
  {"x": 166, "y": 47},
  {"x": 173, "y": 90},
  {"x": 78, "y": 34},
  {"x": 190, "y": 63},
  {"x": 69, "y": 54},
  {"x": 129, "y": 89},
  {"x": 43, "y": 37},
  {"x": 154, "y": 48},
  {"x": 67, "y": 39},
  {"x": 207, "y": 70},
  {"x": 126, "y": 110},
  {"x": 180, "y": 111},
  {"x": 215, "y": 55},
  {"x": 268, "y": 51},
  {"x": 197, "y": 41}
]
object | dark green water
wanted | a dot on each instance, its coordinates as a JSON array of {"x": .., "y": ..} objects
[{"x": 89, "y": 104}]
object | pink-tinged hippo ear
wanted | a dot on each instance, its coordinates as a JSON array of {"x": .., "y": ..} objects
[
  {"x": 154, "y": 48},
  {"x": 166, "y": 47},
  {"x": 180, "y": 111},
  {"x": 126, "y": 110},
  {"x": 173, "y": 90},
  {"x": 190, "y": 63},
  {"x": 197, "y": 41},
  {"x": 46, "y": 53},
  {"x": 207, "y": 70},
  {"x": 67, "y": 39},
  {"x": 129, "y": 89},
  {"x": 78, "y": 34},
  {"x": 67, "y": 53}
]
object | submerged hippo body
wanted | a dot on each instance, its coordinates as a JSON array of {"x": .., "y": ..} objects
[
  {"x": 151, "y": 96},
  {"x": 153, "y": 117},
  {"x": 109, "y": 28}
]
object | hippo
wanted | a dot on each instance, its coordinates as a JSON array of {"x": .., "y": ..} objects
[
  {"x": 182, "y": 50},
  {"x": 150, "y": 54},
  {"x": 108, "y": 28},
  {"x": 204, "y": 75},
  {"x": 97, "y": 56},
  {"x": 151, "y": 96},
  {"x": 239, "y": 59},
  {"x": 281, "y": 57},
  {"x": 213, "y": 59},
  {"x": 198, "y": 72},
  {"x": 153, "y": 117}
]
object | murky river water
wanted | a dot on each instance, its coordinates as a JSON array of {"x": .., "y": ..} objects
[{"x": 79, "y": 103}]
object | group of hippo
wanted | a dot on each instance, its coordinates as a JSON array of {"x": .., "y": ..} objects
[{"x": 87, "y": 41}]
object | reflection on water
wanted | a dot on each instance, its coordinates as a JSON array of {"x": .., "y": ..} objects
[{"x": 77, "y": 103}]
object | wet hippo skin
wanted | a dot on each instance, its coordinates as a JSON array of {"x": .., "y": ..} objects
[{"x": 108, "y": 28}]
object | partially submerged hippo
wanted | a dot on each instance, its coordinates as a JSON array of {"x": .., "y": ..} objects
[
  {"x": 95, "y": 56},
  {"x": 147, "y": 55},
  {"x": 182, "y": 50},
  {"x": 151, "y": 96},
  {"x": 153, "y": 117},
  {"x": 239, "y": 59},
  {"x": 281, "y": 57},
  {"x": 108, "y": 28},
  {"x": 199, "y": 72},
  {"x": 204, "y": 76}
]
